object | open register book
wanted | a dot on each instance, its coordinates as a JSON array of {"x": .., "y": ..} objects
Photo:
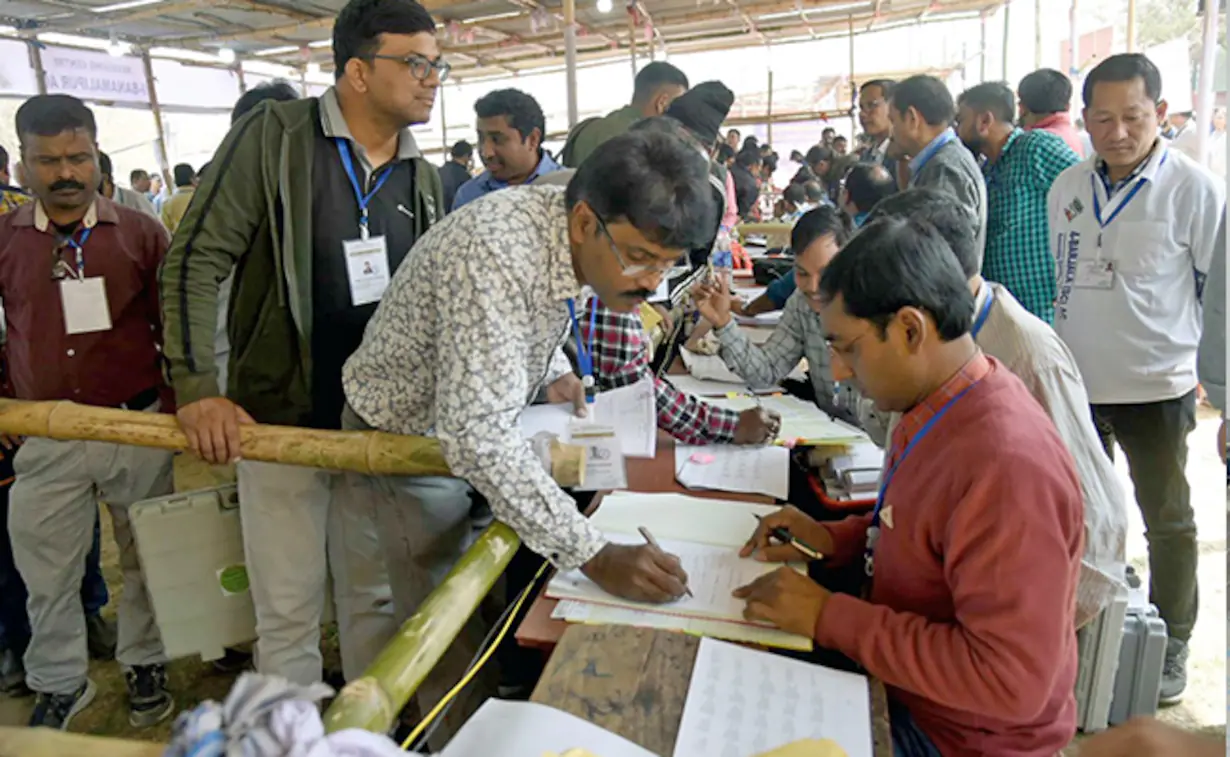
[{"x": 706, "y": 536}]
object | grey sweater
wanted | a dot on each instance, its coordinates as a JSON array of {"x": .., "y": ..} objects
[{"x": 954, "y": 170}]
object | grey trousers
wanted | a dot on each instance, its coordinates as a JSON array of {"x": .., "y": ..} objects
[
  {"x": 1154, "y": 438},
  {"x": 300, "y": 526},
  {"x": 426, "y": 524},
  {"x": 52, "y": 508}
]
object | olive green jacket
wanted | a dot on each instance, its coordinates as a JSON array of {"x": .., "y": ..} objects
[
  {"x": 253, "y": 213},
  {"x": 588, "y": 134}
]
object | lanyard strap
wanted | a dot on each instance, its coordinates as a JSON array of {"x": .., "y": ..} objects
[
  {"x": 981, "y": 320},
  {"x": 585, "y": 355},
  {"x": 874, "y": 531},
  {"x": 343, "y": 147},
  {"x": 925, "y": 157},
  {"x": 1097, "y": 203},
  {"x": 77, "y": 245}
]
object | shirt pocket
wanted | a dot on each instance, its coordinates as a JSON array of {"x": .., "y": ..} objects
[{"x": 1142, "y": 248}]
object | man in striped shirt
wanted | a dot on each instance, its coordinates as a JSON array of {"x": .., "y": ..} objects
[{"x": 1020, "y": 168}]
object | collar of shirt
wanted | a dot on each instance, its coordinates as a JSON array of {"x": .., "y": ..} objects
[
  {"x": 546, "y": 165},
  {"x": 928, "y": 152},
  {"x": 333, "y": 123},
  {"x": 101, "y": 210},
  {"x": 988, "y": 166},
  {"x": 1053, "y": 121},
  {"x": 1146, "y": 170},
  {"x": 860, "y": 219},
  {"x": 913, "y": 421}
]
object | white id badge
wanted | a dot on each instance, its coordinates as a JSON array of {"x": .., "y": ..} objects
[
  {"x": 85, "y": 305},
  {"x": 1095, "y": 274},
  {"x": 367, "y": 265}
]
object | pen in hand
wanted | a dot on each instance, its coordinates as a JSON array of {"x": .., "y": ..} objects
[
  {"x": 784, "y": 536},
  {"x": 654, "y": 543}
]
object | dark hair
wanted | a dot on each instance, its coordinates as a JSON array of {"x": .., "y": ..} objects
[
  {"x": 668, "y": 125},
  {"x": 750, "y": 142},
  {"x": 138, "y": 175},
  {"x": 357, "y": 30},
  {"x": 736, "y": 131},
  {"x": 815, "y": 192},
  {"x": 49, "y": 115},
  {"x": 929, "y": 96},
  {"x": 654, "y": 181},
  {"x": 820, "y": 222},
  {"x": 278, "y": 90},
  {"x": 794, "y": 194},
  {"x": 818, "y": 154},
  {"x": 653, "y": 77},
  {"x": 994, "y": 97},
  {"x": 1125, "y": 67},
  {"x": 842, "y": 137},
  {"x": 828, "y": 130},
  {"x": 868, "y": 184},
  {"x": 183, "y": 175},
  {"x": 770, "y": 162},
  {"x": 522, "y": 111},
  {"x": 748, "y": 158},
  {"x": 725, "y": 152},
  {"x": 886, "y": 87},
  {"x": 955, "y": 221},
  {"x": 104, "y": 164},
  {"x": 1045, "y": 91},
  {"x": 461, "y": 149},
  {"x": 4, "y": 159},
  {"x": 894, "y": 263}
]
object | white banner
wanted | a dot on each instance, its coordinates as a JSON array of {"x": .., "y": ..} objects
[{"x": 95, "y": 76}]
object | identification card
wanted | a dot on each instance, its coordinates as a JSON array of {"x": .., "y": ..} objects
[
  {"x": 85, "y": 305},
  {"x": 604, "y": 457},
  {"x": 367, "y": 265},
  {"x": 1095, "y": 274}
]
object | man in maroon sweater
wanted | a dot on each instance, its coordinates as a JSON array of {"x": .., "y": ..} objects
[{"x": 973, "y": 551}]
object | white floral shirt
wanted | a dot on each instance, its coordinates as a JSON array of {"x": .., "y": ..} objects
[{"x": 468, "y": 334}]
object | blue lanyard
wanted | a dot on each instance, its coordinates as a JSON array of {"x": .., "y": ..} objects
[
  {"x": 585, "y": 355},
  {"x": 77, "y": 245},
  {"x": 1097, "y": 204},
  {"x": 343, "y": 147},
  {"x": 981, "y": 320},
  {"x": 873, "y": 533},
  {"x": 929, "y": 153}
]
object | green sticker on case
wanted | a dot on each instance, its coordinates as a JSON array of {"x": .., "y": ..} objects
[{"x": 233, "y": 579}]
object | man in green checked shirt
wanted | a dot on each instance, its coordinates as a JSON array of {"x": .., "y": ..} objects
[{"x": 1019, "y": 167}]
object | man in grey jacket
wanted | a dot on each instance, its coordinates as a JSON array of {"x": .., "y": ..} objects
[
  {"x": 119, "y": 195},
  {"x": 922, "y": 111}
]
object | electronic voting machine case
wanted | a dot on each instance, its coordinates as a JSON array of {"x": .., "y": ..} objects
[{"x": 191, "y": 549}]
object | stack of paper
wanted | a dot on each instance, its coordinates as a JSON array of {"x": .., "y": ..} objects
[
  {"x": 802, "y": 422},
  {"x": 526, "y": 729},
  {"x": 630, "y": 410},
  {"x": 710, "y": 388},
  {"x": 724, "y": 467},
  {"x": 706, "y": 535},
  {"x": 745, "y": 702},
  {"x": 856, "y": 470}
]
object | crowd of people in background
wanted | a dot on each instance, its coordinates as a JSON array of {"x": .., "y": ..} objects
[{"x": 982, "y": 245}]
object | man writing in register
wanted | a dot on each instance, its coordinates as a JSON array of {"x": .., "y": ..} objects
[{"x": 973, "y": 550}]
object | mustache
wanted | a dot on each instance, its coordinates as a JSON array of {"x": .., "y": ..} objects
[
  {"x": 66, "y": 184},
  {"x": 640, "y": 294}
]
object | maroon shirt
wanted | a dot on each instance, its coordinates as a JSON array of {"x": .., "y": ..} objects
[{"x": 103, "y": 368}]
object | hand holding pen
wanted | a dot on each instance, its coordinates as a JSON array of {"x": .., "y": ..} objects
[{"x": 788, "y": 535}]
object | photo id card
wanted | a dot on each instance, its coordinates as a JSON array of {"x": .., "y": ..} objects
[
  {"x": 1095, "y": 274},
  {"x": 367, "y": 266},
  {"x": 85, "y": 305}
]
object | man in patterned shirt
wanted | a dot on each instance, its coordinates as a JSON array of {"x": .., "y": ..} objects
[
  {"x": 1020, "y": 168},
  {"x": 11, "y": 197}
]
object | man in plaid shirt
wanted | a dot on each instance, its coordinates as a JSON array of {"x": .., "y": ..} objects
[
  {"x": 621, "y": 358},
  {"x": 1020, "y": 168}
]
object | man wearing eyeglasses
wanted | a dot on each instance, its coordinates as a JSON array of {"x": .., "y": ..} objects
[
  {"x": 315, "y": 203},
  {"x": 78, "y": 280}
]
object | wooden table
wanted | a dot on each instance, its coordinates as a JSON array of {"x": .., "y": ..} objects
[
  {"x": 656, "y": 475},
  {"x": 634, "y": 682}
]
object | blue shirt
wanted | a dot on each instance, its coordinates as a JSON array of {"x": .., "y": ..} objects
[
  {"x": 779, "y": 291},
  {"x": 860, "y": 219},
  {"x": 485, "y": 183}
]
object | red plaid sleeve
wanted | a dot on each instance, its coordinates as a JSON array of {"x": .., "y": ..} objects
[{"x": 621, "y": 358}]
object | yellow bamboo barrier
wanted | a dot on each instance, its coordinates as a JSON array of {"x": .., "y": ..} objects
[
  {"x": 372, "y": 452},
  {"x": 45, "y": 742}
]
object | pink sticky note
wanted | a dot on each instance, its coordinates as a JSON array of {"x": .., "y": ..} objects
[{"x": 702, "y": 458}]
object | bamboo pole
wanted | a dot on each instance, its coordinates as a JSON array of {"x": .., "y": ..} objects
[
  {"x": 1131, "y": 26},
  {"x": 769, "y": 108},
  {"x": 44, "y": 742},
  {"x": 163, "y": 160},
  {"x": 371, "y": 452},
  {"x": 1037, "y": 34},
  {"x": 36, "y": 58},
  {"x": 570, "y": 59},
  {"x": 1208, "y": 64},
  {"x": 373, "y": 701},
  {"x": 1007, "y": 38},
  {"x": 982, "y": 48},
  {"x": 632, "y": 42}
]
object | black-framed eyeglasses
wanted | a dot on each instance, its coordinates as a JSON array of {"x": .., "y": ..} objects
[
  {"x": 420, "y": 67},
  {"x": 633, "y": 269}
]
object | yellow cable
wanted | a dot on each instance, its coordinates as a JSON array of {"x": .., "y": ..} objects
[{"x": 469, "y": 676}]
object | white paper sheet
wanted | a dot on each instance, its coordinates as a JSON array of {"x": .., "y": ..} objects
[
  {"x": 680, "y": 517},
  {"x": 713, "y": 573},
  {"x": 801, "y": 421},
  {"x": 527, "y": 729},
  {"x": 709, "y": 388},
  {"x": 709, "y": 367},
  {"x": 744, "y": 702},
  {"x": 754, "y": 470},
  {"x": 585, "y": 612},
  {"x": 748, "y": 294},
  {"x": 630, "y": 410},
  {"x": 769, "y": 319}
]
